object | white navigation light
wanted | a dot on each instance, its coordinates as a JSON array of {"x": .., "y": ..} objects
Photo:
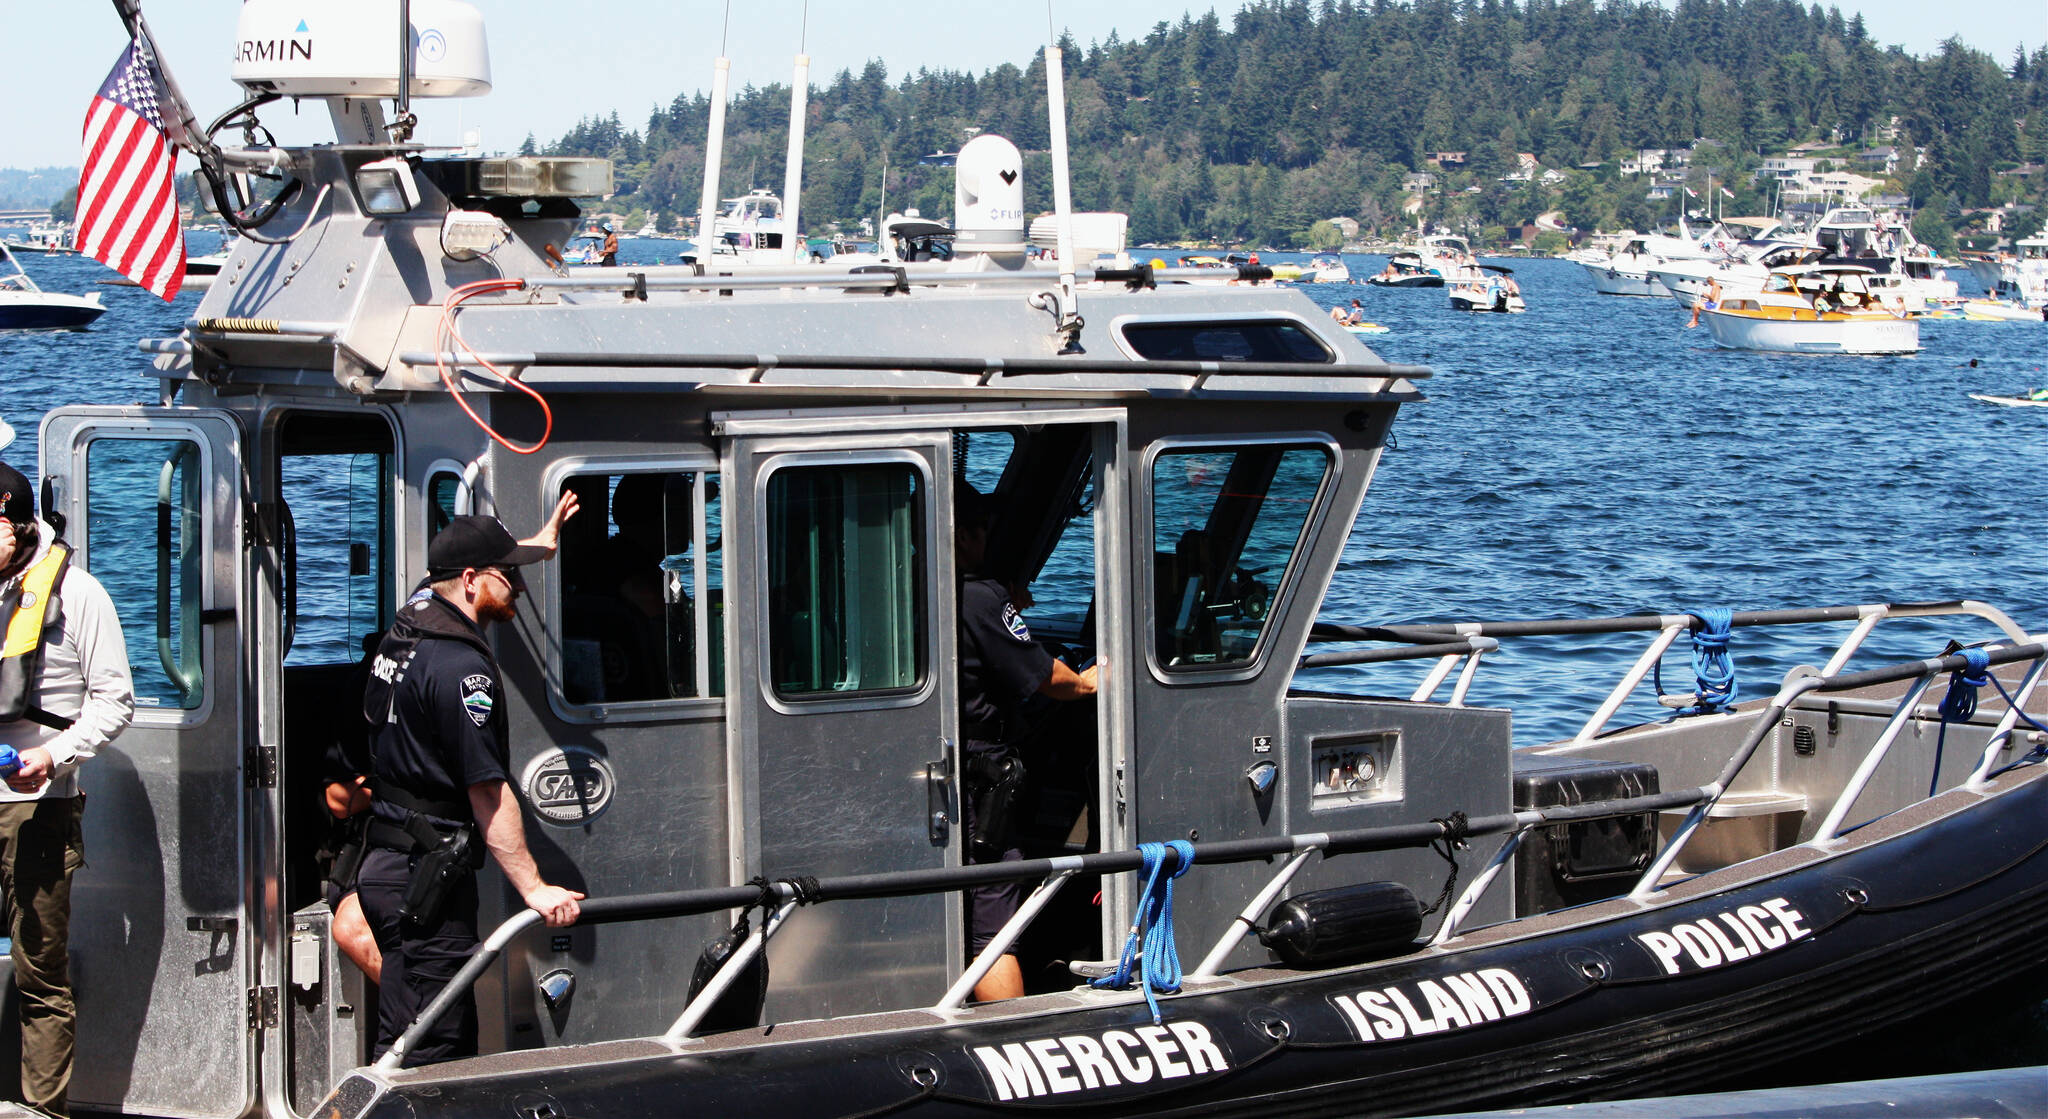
[
  {"x": 988, "y": 197},
  {"x": 468, "y": 234},
  {"x": 386, "y": 188},
  {"x": 331, "y": 48}
]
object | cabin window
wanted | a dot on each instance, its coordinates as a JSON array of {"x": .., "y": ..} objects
[
  {"x": 441, "y": 491},
  {"x": 143, "y": 536},
  {"x": 1234, "y": 340},
  {"x": 1227, "y": 522},
  {"x": 847, "y": 594},
  {"x": 642, "y": 594},
  {"x": 337, "y": 584},
  {"x": 1044, "y": 538}
]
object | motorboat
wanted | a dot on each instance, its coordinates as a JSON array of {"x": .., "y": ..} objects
[
  {"x": 1745, "y": 268},
  {"x": 754, "y": 711},
  {"x": 1446, "y": 254},
  {"x": 1405, "y": 269},
  {"x": 650, "y": 228},
  {"x": 25, "y": 306},
  {"x": 749, "y": 230},
  {"x": 2023, "y": 278},
  {"x": 2000, "y": 310},
  {"x": 1633, "y": 268},
  {"x": 1816, "y": 308},
  {"x": 55, "y": 240},
  {"x": 1486, "y": 287},
  {"x": 1326, "y": 268}
]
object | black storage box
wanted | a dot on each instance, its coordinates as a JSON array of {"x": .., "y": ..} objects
[{"x": 1572, "y": 864}]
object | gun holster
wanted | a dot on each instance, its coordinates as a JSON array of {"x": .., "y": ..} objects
[
  {"x": 451, "y": 857},
  {"x": 992, "y": 779}
]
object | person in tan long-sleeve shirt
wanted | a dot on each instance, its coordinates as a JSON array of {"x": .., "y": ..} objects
[{"x": 65, "y": 692}]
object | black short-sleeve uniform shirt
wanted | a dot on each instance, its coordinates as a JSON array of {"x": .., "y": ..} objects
[
  {"x": 447, "y": 729},
  {"x": 1000, "y": 665}
]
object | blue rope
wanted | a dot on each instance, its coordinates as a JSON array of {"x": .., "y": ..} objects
[
  {"x": 1158, "y": 962},
  {"x": 1711, "y": 664},
  {"x": 2038, "y": 752},
  {"x": 1959, "y": 703}
]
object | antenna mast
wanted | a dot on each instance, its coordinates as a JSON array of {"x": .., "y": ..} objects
[
  {"x": 714, "y": 143},
  {"x": 793, "y": 170}
]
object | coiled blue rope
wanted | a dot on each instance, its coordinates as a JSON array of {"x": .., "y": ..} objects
[
  {"x": 1959, "y": 703},
  {"x": 1150, "y": 945},
  {"x": 1711, "y": 664}
]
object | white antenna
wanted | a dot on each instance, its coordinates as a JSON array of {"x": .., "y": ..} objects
[
  {"x": 714, "y": 143},
  {"x": 793, "y": 170}
]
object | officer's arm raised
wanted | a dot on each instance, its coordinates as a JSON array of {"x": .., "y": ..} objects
[{"x": 497, "y": 813}]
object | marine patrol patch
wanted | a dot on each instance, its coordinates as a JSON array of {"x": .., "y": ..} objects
[
  {"x": 476, "y": 698},
  {"x": 1014, "y": 622}
]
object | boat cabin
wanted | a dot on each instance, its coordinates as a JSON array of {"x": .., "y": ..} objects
[{"x": 741, "y": 662}]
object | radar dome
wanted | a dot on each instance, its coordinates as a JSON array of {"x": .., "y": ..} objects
[
  {"x": 332, "y": 49},
  {"x": 988, "y": 197}
]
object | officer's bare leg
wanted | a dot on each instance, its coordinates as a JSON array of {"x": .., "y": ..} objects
[
  {"x": 353, "y": 936},
  {"x": 1004, "y": 981}
]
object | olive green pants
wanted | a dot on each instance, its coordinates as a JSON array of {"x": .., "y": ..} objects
[{"x": 42, "y": 845}]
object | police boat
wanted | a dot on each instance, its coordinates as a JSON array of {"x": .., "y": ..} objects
[{"x": 735, "y": 710}]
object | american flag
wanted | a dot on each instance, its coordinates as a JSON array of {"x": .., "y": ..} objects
[{"x": 127, "y": 206}]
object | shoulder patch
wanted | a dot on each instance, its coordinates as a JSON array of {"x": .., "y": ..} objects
[
  {"x": 476, "y": 698},
  {"x": 1014, "y": 622}
]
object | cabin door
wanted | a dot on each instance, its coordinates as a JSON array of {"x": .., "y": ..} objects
[
  {"x": 160, "y": 934},
  {"x": 840, "y": 609}
]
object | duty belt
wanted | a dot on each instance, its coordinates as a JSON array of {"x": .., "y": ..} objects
[{"x": 418, "y": 833}]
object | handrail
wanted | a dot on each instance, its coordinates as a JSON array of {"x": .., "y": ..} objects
[
  {"x": 986, "y": 368},
  {"x": 1767, "y": 720},
  {"x": 1432, "y": 638},
  {"x": 1055, "y": 871}
]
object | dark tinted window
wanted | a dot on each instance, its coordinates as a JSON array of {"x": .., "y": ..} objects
[{"x": 1275, "y": 340}]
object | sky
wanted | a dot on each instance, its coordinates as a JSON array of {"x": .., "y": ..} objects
[{"x": 632, "y": 55}]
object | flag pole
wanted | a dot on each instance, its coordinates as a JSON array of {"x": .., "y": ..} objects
[{"x": 180, "y": 124}]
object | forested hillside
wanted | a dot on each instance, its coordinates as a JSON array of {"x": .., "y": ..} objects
[{"x": 1300, "y": 111}]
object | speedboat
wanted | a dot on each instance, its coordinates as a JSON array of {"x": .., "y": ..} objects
[
  {"x": 1327, "y": 268},
  {"x": 1405, "y": 269},
  {"x": 2000, "y": 310},
  {"x": 24, "y": 306},
  {"x": 1446, "y": 254},
  {"x": 1815, "y": 308},
  {"x": 1487, "y": 287},
  {"x": 585, "y": 248}
]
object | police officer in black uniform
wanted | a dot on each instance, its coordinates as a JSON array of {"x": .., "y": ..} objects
[
  {"x": 1001, "y": 668},
  {"x": 442, "y": 787}
]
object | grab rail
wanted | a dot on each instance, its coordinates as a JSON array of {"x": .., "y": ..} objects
[
  {"x": 1703, "y": 798},
  {"x": 1054, "y": 872},
  {"x": 1431, "y": 638}
]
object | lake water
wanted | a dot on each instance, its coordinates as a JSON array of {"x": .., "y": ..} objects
[{"x": 1591, "y": 457}]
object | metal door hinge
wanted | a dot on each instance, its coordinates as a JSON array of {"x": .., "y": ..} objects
[
  {"x": 259, "y": 768},
  {"x": 263, "y": 1002}
]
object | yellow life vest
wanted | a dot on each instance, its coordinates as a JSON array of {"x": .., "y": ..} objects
[{"x": 31, "y": 610}]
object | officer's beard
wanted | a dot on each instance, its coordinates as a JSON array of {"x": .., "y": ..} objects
[{"x": 495, "y": 605}]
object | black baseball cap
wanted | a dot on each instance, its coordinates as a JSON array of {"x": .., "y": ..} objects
[
  {"x": 475, "y": 541},
  {"x": 17, "y": 497}
]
